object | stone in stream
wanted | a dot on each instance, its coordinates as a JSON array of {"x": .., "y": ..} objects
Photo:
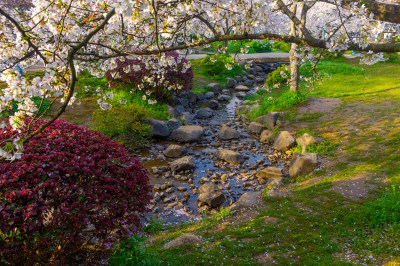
[
  {"x": 305, "y": 141},
  {"x": 186, "y": 239},
  {"x": 249, "y": 83},
  {"x": 228, "y": 133},
  {"x": 210, "y": 195},
  {"x": 238, "y": 78},
  {"x": 159, "y": 128},
  {"x": 188, "y": 134},
  {"x": 184, "y": 163},
  {"x": 213, "y": 104},
  {"x": 256, "y": 128},
  {"x": 241, "y": 94},
  {"x": 303, "y": 164},
  {"x": 267, "y": 136},
  {"x": 229, "y": 156},
  {"x": 204, "y": 113},
  {"x": 175, "y": 151},
  {"x": 223, "y": 98},
  {"x": 284, "y": 141},
  {"x": 230, "y": 82},
  {"x": 215, "y": 87},
  {"x": 173, "y": 124},
  {"x": 242, "y": 88},
  {"x": 270, "y": 172},
  {"x": 210, "y": 95},
  {"x": 187, "y": 118}
]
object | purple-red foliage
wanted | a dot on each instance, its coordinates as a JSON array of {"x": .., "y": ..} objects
[
  {"x": 71, "y": 195},
  {"x": 172, "y": 75}
]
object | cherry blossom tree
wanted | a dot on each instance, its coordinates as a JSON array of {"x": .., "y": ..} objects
[{"x": 68, "y": 36}]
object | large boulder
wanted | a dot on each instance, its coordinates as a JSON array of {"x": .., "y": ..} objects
[
  {"x": 230, "y": 82},
  {"x": 159, "y": 128},
  {"x": 228, "y": 133},
  {"x": 256, "y": 128},
  {"x": 305, "y": 141},
  {"x": 270, "y": 119},
  {"x": 175, "y": 151},
  {"x": 209, "y": 95},
  {"x": 204, "y": 113},
  {"x": 267, "y": 136},
  {"x": 270, "y": 172},
  {"x": 210, "y": 195},
  {"x": 247, "y": 200},
  {"x": 187, "y": 118},
  {"x": 186, "y": 239},
  {"x": 303, "y": 164},
  {"x": 188, "y": 134},
  {"x": 215, "y": 87},
  {"x": 284, "y": 141},
  {"x": 242, "y": 88},
  {"x": 173, "y": 124},
  {"x": 230, "y": 156},
  {"x": 184, "y": 163}
]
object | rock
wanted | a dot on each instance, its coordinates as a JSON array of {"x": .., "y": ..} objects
[
  {"x": 227, "y": 133},
  {"x": 210, "y": 95},
  {"x": 215, "y": 87},
  {"x": 186, "y": 239},
  {"x": 173, "y": 124},
  {"x": 230, "y": 82},
  {"x": 267, "y": 136},
  {"x": 270, "y": 172},
  {"x": 243, "y": 119},
  {"x": 241, "y": 109},
  {"x": 229, "y": 156},
  {"x": 188, "y": 134},
  {"x": 306, "y": 140},
  {"x": 256, "y": 128},
  {"x": 247, "y": 200},
  {"x": 192, "y": 97},
  {"x": 249, "y": 82},
  {"x": 201, "y": 97},
  {"x": 270, "y": 119},
  {"x": 258, "y": 69},
  {"x": 283, "y": 141},
  {"x": 238, "y": 78},
  {"x": 159, "y": 128},
  {"x": 242, "y": 88},
  {"x": 175, "y": 151},
  {"x": 303, "y": 164},
  {"x": 187, "y": 118},
  {"x": 251, "y": 77},
  {"x": 223, "y": 98},
  {"x": 210, "y": 195},
  {"x": 241, "y": 94},
  {"x": 213, "y": 104},
  {"x": 178, "y": 110},
  {"x": 204, "y": 113},
  {"x": 183, "y": 101},
  {"x": 252, "y": 71},
  {"x": 184, "y": 163}
]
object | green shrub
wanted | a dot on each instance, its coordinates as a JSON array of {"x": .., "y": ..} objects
[
  {"x": 256, "y": 46},
  {"x": 386, "y": 209},
  {"x": 262, "y": 46},
  {"x": 282, "y": 46},
  {"x": 125, "y": 123},
  {"x": 286, "y": 101},
  {"x": 324, "y": 148},
  {"x": 278, "y": 76},
  {"x": 214, "y": 66}
]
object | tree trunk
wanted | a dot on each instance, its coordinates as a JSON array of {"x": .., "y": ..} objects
[{"x": 294, "y": 69}]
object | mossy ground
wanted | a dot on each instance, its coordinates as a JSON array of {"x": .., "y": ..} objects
[{"x": 326, "y": 220}]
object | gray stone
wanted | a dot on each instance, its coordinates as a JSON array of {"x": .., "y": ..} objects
[
  {"x": 210, "y": 95},
  {"x": 184, "y": 102},
  {"x": 256, "y": 128},
  {"x": 258, "y": 69},
  {"x": 223, "y": 98},
  {"x": 187, "y": 118},
  {"x": 178, "y": 110},
  {"x": 188, "y": 134},
  {"x": 210, "y": 195},
  {"x": 173, "y": 124},
  {"x": 241, "y": 109},
  {"x": 227, "y": 133},
  {"x": 201, "y": 97},
  {"x": 249, "y": 83},
  {"x": 184, "y": 163},
  {"x": 159, "y": 128},
  {"x": 215, "y": 87},
  {"x": 204, "y": 113},
  {"x": 303, "y": 164},
  {"x": 186, "y": 239},
  {"x": 269, "y": 119},
  {"x": 192, "y": 97},
  {"x": 305, "y": 141},
  {"x": 242, "y": 88},
  {"x": 267, "y": 136},
  {"x": 213, "y": 104},
  {"x": 229, "y": 156},
  {"x": 241, "y": 94},
  {"x": 230, "y": 82},
  {"x": 238, "y": 78},
  {"x": 175, "y": 151},
  {"x": 270, "y": 172},
  {"x": 247, "y": 200},
  {"x": 284, "y": 141},
  {"x": 252, "y": 71}
]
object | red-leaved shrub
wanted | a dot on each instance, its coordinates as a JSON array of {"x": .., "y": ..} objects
[
  {"x": 73, "y": 193},
  {"x": 176, "y": 77}
]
